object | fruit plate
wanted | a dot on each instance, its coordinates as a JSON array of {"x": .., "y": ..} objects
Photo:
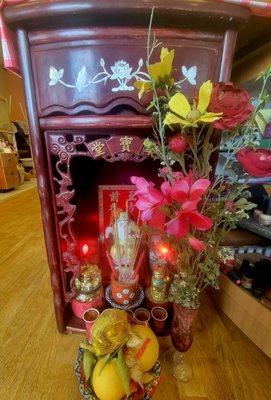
[{"x": 88, "y": 394}]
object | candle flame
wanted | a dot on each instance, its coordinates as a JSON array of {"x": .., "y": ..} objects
[
  {"x": 85, "y": 248},
  {"x": 163, "y": 250}
]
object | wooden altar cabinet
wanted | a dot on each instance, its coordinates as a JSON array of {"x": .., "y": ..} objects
[{"x": 79, "y": 61}]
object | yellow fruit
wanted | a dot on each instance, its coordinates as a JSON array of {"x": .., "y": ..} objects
[
  {"x": 150, "y": 355},
  {"x": 107, "y": 385}
]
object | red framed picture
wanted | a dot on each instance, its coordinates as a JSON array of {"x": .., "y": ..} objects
[
  {"x": 111, "y": 196},
  {"x": 118, "y": 196}
]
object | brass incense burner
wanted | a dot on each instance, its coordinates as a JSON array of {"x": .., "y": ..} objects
[{"x": 88, "y": 284}]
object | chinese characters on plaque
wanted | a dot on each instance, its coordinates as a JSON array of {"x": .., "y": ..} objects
[{"x": 106, "y": 148}]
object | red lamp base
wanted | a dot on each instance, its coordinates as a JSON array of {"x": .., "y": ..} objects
[
  {"x": 151, "y": 303},
  {"x": 79, "y": 307}
]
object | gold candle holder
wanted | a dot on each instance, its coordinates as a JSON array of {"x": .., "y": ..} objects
[
  {"x": 88, "y": 284},
  {"x": 159, "y": 285}
]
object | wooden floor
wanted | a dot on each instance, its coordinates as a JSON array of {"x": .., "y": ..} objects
[{"x": 36, "y": 362}]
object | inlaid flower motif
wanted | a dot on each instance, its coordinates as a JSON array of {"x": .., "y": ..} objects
[
  {"x": 55, "y": 75},
  {"x": 123, "y": 73},
  {"x": 121, "y": 70}
]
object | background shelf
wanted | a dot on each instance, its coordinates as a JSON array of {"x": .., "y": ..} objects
[
  {"x": 245, "y": 311},
  {"x": 253, "y": 226}
]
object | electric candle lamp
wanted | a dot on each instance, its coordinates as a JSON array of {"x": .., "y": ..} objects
[
  {"x": 161, "y": 254},
  {"x": 88, "y": 283}
]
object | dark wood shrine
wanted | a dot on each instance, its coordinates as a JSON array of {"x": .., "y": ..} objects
[{"x": 79, "y": 61}]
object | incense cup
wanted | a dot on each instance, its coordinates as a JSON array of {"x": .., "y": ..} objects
[
  {"x": 159, "y": 317},
  {"x": 124, "y": 293},
  {"x": 142, "y": 316},
  {"x": 90, "y": 316}
]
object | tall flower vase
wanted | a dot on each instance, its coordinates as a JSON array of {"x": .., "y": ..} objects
[{"x": 182, "y": 335}]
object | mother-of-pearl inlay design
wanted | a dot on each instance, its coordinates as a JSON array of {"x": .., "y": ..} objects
[{"x": 121, "y": 72}]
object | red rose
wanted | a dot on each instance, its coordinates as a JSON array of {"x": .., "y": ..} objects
[
  {"x": 177, "y": 143},
  {"x": 255, "y": 162},
  {"x": 233, "y": 102}
]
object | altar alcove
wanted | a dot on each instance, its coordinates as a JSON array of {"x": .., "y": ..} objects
[{"x": 80, "y": 60}]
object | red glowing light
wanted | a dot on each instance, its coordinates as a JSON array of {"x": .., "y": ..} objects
[
  {"x": 85, "y": 249},
  {"x": 163, "y": 250}
]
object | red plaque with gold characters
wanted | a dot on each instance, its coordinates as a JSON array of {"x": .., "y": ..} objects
[{"x": 118, "y": 195}]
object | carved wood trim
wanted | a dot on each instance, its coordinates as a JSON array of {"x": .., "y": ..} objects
[
  {"x": 88, "y": 34},
  {"x": 120, "y": 123},
  {"x": 44, "y": 13},
  {"x": 64, "y": 146}
]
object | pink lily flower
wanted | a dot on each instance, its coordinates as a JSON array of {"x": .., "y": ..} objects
[
  {"x": 186, "y": 191},
  {"x": 150, "y": 202},
  {"x": 181, "y": 225},
  {"x": 197, "y": 244}
]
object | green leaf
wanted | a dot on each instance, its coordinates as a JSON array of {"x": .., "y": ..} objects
[
  {"x": 249, "y": 206},
  {"x": 123, "y": 371},
  {"x": 262, "y": 118},
  {"x": 86, "y": 346},
  {"x": 265, "y": 144},
  {"x": 89, "y": 361},
  {"x": 105, "y": 361},
  {"x": 244, "y": 204},
  {"x": 107, "y": 358}
]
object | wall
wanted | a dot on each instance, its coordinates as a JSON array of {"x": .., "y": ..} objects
[
  {"x": 11, "y": 84},
  {"x": 250, "y": 66}
]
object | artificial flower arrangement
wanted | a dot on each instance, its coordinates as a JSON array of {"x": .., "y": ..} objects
[
  {"x": 120, "y": 360},
  {"x": 191, "y": 208}
]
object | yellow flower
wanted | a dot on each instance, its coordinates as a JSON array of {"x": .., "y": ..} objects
[
  {"x": 142, "y": 86},
  {"x": 184, "y": 115},
  {"x": 158, "y": 72},
  {"x": 163, "y": 68}
]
